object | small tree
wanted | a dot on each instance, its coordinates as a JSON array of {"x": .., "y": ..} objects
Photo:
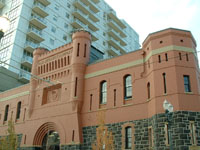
[
  {"x": 104, "y": 138},
  {"x": 9, "y": 142}
]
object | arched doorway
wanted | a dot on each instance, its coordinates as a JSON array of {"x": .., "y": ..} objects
[
  {"x": 47, "y": 137},
  {"x": 51, "y": 141}
]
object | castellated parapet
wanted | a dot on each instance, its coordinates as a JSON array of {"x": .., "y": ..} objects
[{"x": 66, "y": 93}]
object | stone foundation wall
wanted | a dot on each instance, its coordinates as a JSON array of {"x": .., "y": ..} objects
[{"x": 180, "y": 128}]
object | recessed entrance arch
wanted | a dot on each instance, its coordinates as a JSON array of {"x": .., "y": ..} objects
[
  {"x": 47, "y": 137},
  {"x": 51, "y": 141}
]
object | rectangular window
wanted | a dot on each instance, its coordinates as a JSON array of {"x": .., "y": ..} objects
[
  {"x": 187, "y": 83},
  {"x": 67, "y": 15},
  {"x": 53, "y": 29}
]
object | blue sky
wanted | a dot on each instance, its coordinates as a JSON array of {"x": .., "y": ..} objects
[{"x": 147, "y": 16}]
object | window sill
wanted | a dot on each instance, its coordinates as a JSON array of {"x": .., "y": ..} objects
[
  {"x": 188, "y": 92},
  {"x": 101, "y": 106}
]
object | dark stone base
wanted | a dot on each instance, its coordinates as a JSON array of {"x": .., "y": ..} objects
[{"x": 180, "y": 127}]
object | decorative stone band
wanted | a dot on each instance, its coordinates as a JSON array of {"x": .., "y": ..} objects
[
  {"x": 140, "y": 61},
  {"x": 15, "y": 96}
]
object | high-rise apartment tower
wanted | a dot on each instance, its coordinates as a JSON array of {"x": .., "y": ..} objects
[{"x": 49, "y": 24}]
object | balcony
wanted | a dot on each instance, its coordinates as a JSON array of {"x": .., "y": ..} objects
[
  {"x": 86, "y": 10},
  {"x": 76, "y": 23},
  {"x": 116, "y": 36},
  {"x": 116, "y": 45},
  {"x": 113, "y": 52},
  {"x": 113, "y": 25},
  {"x": 44, "y": 2},
  {"x": 24, "y": 76},
  {"x": 84, "y": 19},
  {"x": 38, "y": 21},
  {"x": 40, "y": 9},
  {"x": 31, "y": 46},
  {"x": 117, "y": 20},
  {"x": 92, "y": 6},
  {"x": 2, "y": 3},
  {"x": 35, "y": 34},
  {"x": 27, "y": 61},
  {"x": 96, "y": 1}
]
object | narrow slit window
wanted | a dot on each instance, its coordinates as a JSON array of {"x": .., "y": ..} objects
[
  {"x": 85, "y": 48},
  {"x": 180, "y": 57},
  {"x": 68, "y": 60},
  {"x": 187, "y": 58},
  {"x": 164, "y": 83},
  {"x": 148, "y": 90},
  {"x": 75, "y": 90},
  {"x": 47, "y": 67},
  {"x": 78, "y": 49},
  {"x": 159, "y": 58},
  {"x": 52, "y": 65},
  {"x": 18, "y": 110},
  {"x": 61, "y": 62},
  {"x": 55, "y": 64},
  {"x": 90, "y": 102},
  {"x": 73, "y": 132},
  {"x": 6, "y": 113},
  {"x": 115, "y": 97},
  {"x": 58, "y": 63},
  {"x": 65, "y": 61},
  {"x": 166, "y": 57},
  {"x": 39, "y": 70},
  {"x": 44, "y": 68}
]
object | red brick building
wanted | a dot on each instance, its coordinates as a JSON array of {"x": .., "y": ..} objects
[{"x": 66, "y": 93}]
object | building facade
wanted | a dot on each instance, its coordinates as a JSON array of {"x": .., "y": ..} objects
[
  {"x": 65, "y": 94},
  {"x": 49, "y": 24}
]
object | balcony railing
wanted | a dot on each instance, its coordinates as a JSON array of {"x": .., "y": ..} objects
[
  {"x": 114, "y": 25},
  {"x": 85, "y": 19},
  {"x": 30, "y": 46},
  {"x": 38, "y": 21},
  {"x": 76, "y": 23},
  {"x": 96, "y": 1},
  {"x": 112, "y": 15},
  {"x": 27, "y": 61},
  {"x": 117, "y": 36},
  {"x": 45, "y": 2},
  {"x": 116, "y": 44},
  {"x": 86, "y": 9},
  {"x": 93, "y": 6},
  {"x": 35, "y": 34},
  {"x": 2, "y": 3},
  {"x": 40, "y": 9},
  {"x": 24, "y": 76},
  {"x": 113, "y": 51}
]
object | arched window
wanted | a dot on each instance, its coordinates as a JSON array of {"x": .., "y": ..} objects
[
  {"x": 127, "y": 87},
  {"x": 103, "y": 92},
  {"x": 6, "y": 113},
  {"x": 148, "y": 90},
  {"x": 18, "y": 110},
  {"x": 128, "y": 137}
]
